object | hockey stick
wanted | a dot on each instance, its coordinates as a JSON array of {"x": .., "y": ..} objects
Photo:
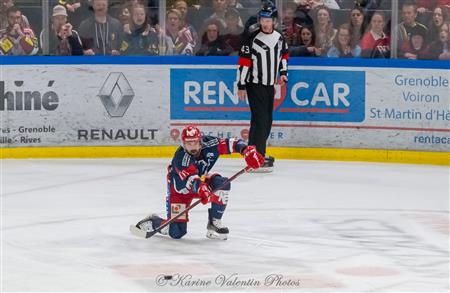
[{"x": 143, "y": 234}]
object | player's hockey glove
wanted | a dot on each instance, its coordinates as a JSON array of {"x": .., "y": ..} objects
[
  {"x": 253, "y": 159},
  {"x": 205, "y": 194}
]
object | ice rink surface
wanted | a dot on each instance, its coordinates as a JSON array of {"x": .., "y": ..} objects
[{"x": 309, "y": 226}]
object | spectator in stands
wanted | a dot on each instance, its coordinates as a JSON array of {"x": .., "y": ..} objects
[
  {"x": 4, "y": 5},
  {"x": 440, "y": 49},
  {"x": 303, "y": 14},
  {"x": 212, "y": 43},
  {"x": 62, "y": 39},
  {"x": 77, "y": 10},
  {"x": 16, "y": 39},
  {"x": 375, "y": 43},
  {"x": 416, "y": 47},
  {"x": 305, "y": 47},
  {"x": 357, "y": 24},
  {"x": 153, "y": 6},
  {"x": 342, "y": 44},
  {"x": 123, "y": 14},
  {"x": 440, "y": 15},
  {"x": 179, "y": 39},
  {"x": 100, "y": 32},
  {"x": 220, "y": 8},
  {"x": 324, "y": 30},
  {"x": 409, "y": 15},
  {"x": 290, "y": 28},
  {"x": 233, "y": 33},
  {"x": 182, "y": 7},
  {"x": 138, "y": 37},
  {"x": 234, "y": 4},
  {"x": 371, "y": 6}
]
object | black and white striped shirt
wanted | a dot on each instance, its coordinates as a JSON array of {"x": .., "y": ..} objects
[{"x": 262, "y": 58}]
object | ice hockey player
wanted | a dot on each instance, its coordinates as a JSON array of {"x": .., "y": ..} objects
[{"x": 188, "y": 178}]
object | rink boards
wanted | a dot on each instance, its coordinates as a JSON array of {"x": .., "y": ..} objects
[{"x": 370, "y": 110}]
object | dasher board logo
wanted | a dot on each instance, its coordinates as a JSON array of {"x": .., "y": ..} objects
[
  {"x": 116, "y": 84},
  {"x": 311, "y": 95}
]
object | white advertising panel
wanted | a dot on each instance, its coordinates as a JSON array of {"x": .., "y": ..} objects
[
  {"x": 80, "y": 105},
  {"x": 119, "y": 105}
]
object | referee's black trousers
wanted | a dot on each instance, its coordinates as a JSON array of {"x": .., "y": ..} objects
[{"x": 260, "y": 99}]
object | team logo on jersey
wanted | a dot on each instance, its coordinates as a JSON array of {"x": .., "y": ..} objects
[{"x": 176, "y": 209}]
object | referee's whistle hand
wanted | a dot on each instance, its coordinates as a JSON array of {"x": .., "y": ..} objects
[
  {"x": 242, "y": 94},
  {"x": 283, "y": 79}
]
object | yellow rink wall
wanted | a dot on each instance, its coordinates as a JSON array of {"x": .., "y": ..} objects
[{"x": 328, "y": 154}]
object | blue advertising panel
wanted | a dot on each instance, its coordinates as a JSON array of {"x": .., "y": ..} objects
[{"x": 311, "y": 95}]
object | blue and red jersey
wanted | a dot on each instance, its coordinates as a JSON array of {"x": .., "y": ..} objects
[{"x": 185, "y": 171}]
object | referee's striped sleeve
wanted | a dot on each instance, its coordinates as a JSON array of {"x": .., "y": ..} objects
[
  {"x": 284, "y": 58},
  {"x": 244, "y": 62},
  {"x": 244, "y": 66}
]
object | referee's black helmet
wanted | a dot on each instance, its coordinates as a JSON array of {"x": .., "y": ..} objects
[{"x": 268, "y": 10}]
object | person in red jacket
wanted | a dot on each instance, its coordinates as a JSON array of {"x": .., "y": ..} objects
[{"x": 375, "y": 43}]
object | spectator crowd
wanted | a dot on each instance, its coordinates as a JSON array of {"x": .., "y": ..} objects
[{"x": 312, "y": 28}]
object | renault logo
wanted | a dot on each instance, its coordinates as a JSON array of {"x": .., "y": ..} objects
[{"x": 116, "y": 83}]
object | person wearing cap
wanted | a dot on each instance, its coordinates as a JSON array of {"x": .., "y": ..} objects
[
  {"x": 262, "y": 63},
  {"x": 61, "y": 40},
  {"x": 416, "y": 47},
  {"x": 189, "y": 176}
]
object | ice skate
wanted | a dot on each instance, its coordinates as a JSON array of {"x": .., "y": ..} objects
[
  {"x": 147, "y": 225},
  {"x": 215, "y": 230}
]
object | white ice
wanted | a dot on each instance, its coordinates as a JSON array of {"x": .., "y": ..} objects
[{"x": 318, "y": 226}]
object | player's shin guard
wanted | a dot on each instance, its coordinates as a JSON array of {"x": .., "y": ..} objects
[{"x": 215, "y": 229}]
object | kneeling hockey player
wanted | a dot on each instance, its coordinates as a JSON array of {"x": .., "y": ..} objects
[{"x": 188, "y": 178}]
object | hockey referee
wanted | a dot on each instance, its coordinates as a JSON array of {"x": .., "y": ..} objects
[{"x": 263, "y": 58}]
